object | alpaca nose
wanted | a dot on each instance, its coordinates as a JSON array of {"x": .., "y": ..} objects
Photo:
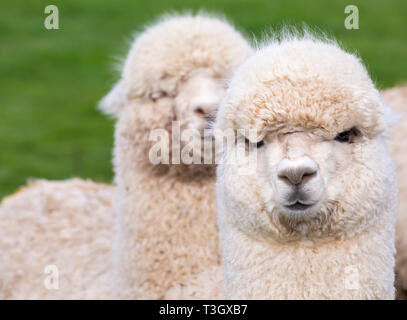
[
  {"x": 206, "y": 112},
  {"x": 297, "y": 171}
]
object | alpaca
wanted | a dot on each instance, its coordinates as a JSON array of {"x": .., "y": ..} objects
[
  {"x": 55, "y": 240},
  {"x": 166, "y": 222},
  {"x": 306, "y": 201},
  {"x": 81, "y": 207},
  {"x": 397, "y": 99},
  {"x": 209, "y": 284}
]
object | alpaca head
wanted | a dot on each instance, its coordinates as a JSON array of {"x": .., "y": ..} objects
[
  {"x": 176, "y": 70},
  {"x": 321, "y": 168}
]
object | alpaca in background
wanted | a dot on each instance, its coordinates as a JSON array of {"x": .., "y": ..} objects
[{"x": 166, "y": 228}]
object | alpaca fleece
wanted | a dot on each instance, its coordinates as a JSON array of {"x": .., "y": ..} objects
[
  {"x": 166, "y": 229},
  {"x": 299, "y": 94},
  {"x": 69, "y": 224},
  {"x": 66, "y": 224},
  {"x": 397, "y": 99}
]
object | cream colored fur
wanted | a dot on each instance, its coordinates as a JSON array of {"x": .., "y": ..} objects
[
  {"x": 79, "y": 242},
  {"x": 185, "y": 62},
  {"x": 299, "y": 94},
  {"x": 66, "y": 224},
  {"x": 397, "y": 99},
  {"x": 166, "y": 229}
]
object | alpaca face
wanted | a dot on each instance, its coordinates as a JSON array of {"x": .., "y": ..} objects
[
  {"x": 304, "y": 185},
  {"x": 321, "y": 168},
  {"x": 197, "y": 101},
  {"x": 306, "y": 169},
  {"x": 296, "y": 177},
  {"x": 195, "y": 105}
]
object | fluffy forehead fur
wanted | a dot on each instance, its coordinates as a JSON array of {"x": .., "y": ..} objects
[
  {"x": 190, "y": 42},
  {"x": 168, "y": 52},
  {"x": 303, "y": 82}
]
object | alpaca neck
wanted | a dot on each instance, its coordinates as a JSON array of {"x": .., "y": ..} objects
[
  {"x": 166, "y": 231},
  {"x": 355, "y": 268}
]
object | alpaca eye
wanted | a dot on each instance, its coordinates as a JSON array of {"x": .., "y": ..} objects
[
  {"x": 157, "y": 95},
  {"x": 347, "y": 136},
  {"x": 260, "y": 144},
  {"x": 343, "y": 136}
]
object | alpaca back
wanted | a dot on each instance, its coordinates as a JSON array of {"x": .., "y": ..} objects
[{"x": 55, "y": 241}]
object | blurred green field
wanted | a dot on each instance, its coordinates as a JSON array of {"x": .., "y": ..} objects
[{"x": 51, "y": 80}]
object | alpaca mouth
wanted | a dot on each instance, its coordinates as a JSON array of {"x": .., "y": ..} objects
[{"x": 299, "y": 206}]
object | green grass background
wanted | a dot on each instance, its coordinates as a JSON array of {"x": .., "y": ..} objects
[{"x": 51, "y": 80}]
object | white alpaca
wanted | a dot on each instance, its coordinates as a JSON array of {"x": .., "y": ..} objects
[
  {"x": 313, "y": 217},
  {"x": 166, "y": 228},
  {"x": 397, "y": 99}
]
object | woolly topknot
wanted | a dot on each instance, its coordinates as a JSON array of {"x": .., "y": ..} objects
[
  {"x": 167, "y": 52},
  {"x": 304, "y": 82}
]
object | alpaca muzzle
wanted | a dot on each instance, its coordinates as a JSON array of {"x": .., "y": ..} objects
[{"x": 298, "y": 184}]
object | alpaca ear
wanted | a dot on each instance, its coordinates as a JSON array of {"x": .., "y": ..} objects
[{"x": 115, "y": 101}]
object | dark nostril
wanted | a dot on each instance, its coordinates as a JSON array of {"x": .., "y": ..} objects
[
  {"x": 308, "y": 174},
  {"x": 200, "y": 112}
]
